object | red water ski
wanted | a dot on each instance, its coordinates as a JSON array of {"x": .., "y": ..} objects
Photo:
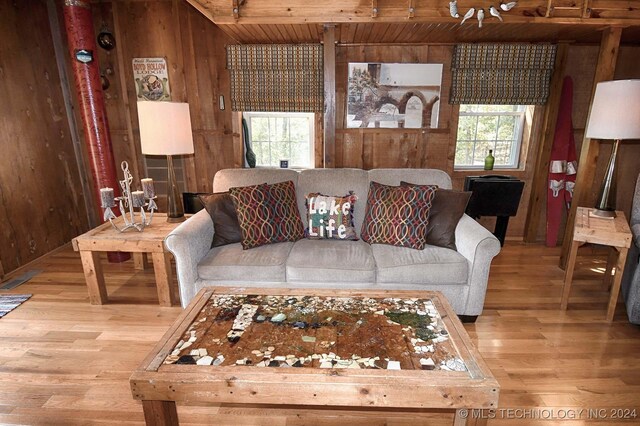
[{"x": 563, "y": 165}]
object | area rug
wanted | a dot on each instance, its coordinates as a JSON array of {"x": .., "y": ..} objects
[{"x": 9, "y": 302}]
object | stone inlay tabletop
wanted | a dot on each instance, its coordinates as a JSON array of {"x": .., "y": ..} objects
[{"x": 318, "y": 332}]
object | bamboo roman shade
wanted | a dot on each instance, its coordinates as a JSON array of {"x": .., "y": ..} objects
[
  {"x": 276, "y": 77},
  {"x": 511, "y": 74}
]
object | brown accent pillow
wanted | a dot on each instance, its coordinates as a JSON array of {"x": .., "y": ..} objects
[
  {"x": 225, "y": 220},
  {"x": 447, "y": 208}
]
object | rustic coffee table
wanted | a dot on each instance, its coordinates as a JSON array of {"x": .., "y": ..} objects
[
  {"x": 404, "y": 349},
  {"x": 151, "y": 240}
]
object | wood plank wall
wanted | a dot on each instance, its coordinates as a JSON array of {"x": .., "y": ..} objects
[
  {"x": 39, "y": 180},
  {"x": 41, "y": 202},
  {"x": 415, "y": 148},
  {"x": 195, "y": 52}
]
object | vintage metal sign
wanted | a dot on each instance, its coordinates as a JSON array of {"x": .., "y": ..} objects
[{"x": 152, "y": 79}]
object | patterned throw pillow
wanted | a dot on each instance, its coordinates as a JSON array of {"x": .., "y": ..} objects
[
  {"x": 397, "y": 215},
  {"x": 267, "y": 214},
  {"x": 331, "y": 217}
]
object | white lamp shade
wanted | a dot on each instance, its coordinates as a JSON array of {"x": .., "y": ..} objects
[
  {"x": 165, "y": 128},
  {"x": 615, "y": 111}
]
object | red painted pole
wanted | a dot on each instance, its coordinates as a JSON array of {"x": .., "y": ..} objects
[{"x": 86, "y": 73}]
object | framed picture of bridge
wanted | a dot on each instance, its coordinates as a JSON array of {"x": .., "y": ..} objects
[{"x": 393, "y": 95}]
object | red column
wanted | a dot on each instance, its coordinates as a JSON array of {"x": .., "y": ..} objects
[{"x": 86, "y": 74}]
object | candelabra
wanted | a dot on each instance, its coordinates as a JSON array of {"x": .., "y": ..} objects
[{"x": 129, "y": 201}]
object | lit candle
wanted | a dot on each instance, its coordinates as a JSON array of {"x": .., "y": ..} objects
[
  {"x": 138, "y": 198},
  {"x": 107, "y": 197},
  {"x": 147, "y": 187}
]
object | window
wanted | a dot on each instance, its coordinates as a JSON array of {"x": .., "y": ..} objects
[
  {"x": 279, "y": 136},
  {"x": 485, "y": 127}
]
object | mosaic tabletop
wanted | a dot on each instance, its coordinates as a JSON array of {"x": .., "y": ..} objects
[{"x": 257, "y": 331}]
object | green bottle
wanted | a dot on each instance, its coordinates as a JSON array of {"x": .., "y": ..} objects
[{"x": 488, "y": 161}]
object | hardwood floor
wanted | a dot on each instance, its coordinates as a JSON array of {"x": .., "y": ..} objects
[{"x": 64, "y": 361}]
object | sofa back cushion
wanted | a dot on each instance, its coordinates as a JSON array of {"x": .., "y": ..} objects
[
  {"x": 393, "y": 177},
  {"x": 335, "y": 182},
  {"x": 230, "y": 178},
  {"x": 330, "y": 182}
]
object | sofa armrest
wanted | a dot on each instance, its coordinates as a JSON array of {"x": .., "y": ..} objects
[
  {"x": 479, "y": 246},
  {"x": 189, "y": 243},
  {"x": 635, "y": 232}
]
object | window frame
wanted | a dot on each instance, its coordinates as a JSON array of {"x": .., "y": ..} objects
[
  {"x": 514, "y": 160},
  {"x": 310, "y": 115}
]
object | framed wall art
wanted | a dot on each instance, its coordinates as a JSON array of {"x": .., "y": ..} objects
[{"x": 393, "y": 95}]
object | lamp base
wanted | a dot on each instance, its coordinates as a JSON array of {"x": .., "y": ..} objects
[
  {"x": 607, "y": 214},
  {"x": 176, "y": 219}
]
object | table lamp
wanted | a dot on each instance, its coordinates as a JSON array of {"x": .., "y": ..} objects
[
  {"x": 165, "y": 129},
  {"x": 615, "y": 114}
]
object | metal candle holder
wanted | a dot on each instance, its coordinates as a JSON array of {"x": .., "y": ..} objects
[{"x": 126, "y": 204}]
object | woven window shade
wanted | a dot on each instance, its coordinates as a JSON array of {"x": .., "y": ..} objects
[
  {"x": 511, "y": 74},
  {"x": 276, "y": 77}
]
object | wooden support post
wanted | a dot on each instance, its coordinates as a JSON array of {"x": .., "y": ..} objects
[
  {"x": 164, "y": 278},
  {"x": 541, "y": 172},
  {"x": 617, "y": 280},
  {"x": 236, "y": 9},
  {"x": 586, "y": 9},
  {"x": 94, "y": 277},
  {"x": 329, "y": 96},
  {"x": 160, "y": 413},
  {"x": 605, "y": 70}
]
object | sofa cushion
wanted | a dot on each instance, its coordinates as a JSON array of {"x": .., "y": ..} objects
[
  {"x": 226, "y": 229},
  {"x": 433, "y": 265},
  {"x": 231, "y": 262},
  {"x": 267, "y": 214},
  {"x": 331, "y": 217},
  {"x": 397, "y": 215},
  {"x": 228, "y": 178},
  {"x": 326, "y": 261},
  {"x": 417, "y": 176}
]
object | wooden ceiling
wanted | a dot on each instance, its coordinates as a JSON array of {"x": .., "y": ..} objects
[
  {"x": 407, "y": 33},
  {"x": 419, "y": 21}
]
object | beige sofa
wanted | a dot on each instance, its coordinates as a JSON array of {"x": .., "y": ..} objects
[{"x": 460, "y": 275}]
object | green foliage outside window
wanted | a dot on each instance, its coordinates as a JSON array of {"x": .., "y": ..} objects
[
  {"x": 281, "y": 136},
  {"x": 489, "y": 127}
]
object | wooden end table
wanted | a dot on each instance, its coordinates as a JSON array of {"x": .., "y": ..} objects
[
  {"x": 104, "y": 238},
  {"x": 358, "y": 349},
  {"x": 614, "y": 233}
]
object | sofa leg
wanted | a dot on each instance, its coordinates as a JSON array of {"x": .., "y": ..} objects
[{"x": 468, "y": 318}]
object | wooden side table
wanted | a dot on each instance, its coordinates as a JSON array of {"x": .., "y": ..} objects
[
  {"x": 614, "y": 233},
  {"x": 151, "y": 240}
]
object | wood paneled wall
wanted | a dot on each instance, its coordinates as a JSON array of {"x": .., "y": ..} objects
[
  {"x": 416, "y": 148},
  {"x": 194, "y": 49},
  {"x": 39, "y": 178},
  {"x": 41, "y": 202}
]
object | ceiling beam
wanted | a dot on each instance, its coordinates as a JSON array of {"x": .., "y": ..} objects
[
  {"x": 329, "y": 96},
  {"x": 596, "y": 12}
]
